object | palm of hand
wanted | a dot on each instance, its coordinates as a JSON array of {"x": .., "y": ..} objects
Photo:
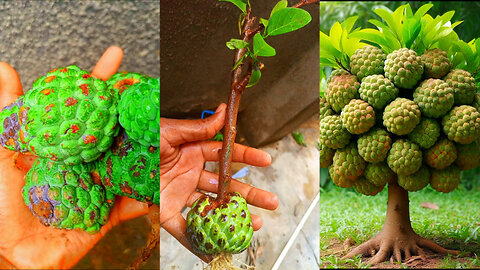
[{"x": 24, "y": 241}]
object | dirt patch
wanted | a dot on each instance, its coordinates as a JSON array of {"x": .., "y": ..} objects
[{"x": 338, "y": 249}]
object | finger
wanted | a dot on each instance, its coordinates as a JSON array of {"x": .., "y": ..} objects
[
  {"x": 256, "y": 220},
  {"x": 241, "y": 153},
  {"x": 108, "y": 63},
  {"x": 177, "y": 132},
  {"x": 254, "y": 196},
  {"x": 130, "y": 208},
  {"x": 177, "y": 227},
  {"x": 10, "y": 85}
]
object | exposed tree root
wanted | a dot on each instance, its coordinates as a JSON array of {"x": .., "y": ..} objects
[
  {"x": 397, "y": 240},
  {"x": 153, "y": 238}
]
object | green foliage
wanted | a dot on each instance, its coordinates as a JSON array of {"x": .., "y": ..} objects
[
  {"x": 282, "y": 20},
  {"x": 298, "y": 136}
]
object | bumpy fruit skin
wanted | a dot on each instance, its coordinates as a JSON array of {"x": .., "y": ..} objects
[
  {"x": 445, "y": 180},
  {"x": 436, "y": 63},
  {"x": 378, "y": 91},
  {"x": 441, "y": 155},
  {"x": 10, "y": 127},
  {"x": 131, "y": 169},
  {"x": 341, "y": 89},
  {"x": 468, "y": 156},
  {"x": 476, "y": 102},
  {"x": 434, "y": 97},
  {"x": 405, "y": 157},
  {"x": 374, "y": 145},
  {"x": 462, "y": 124},
  {"x": 425, "y": 133},
  {"x": 415, "y": 181},
  {"x": 71, "y": 117},
  {"x": 332, "y": 132},
  {"x": 213, "y": 228},
  {"x": 463, "y": 85},
  {"x": 347, "y": 165},
  {"x": 379, "y": 173},
  {"x": 367, "y": 61},
  {"x": 121, "y": 81},
  {"x": 363, "y": 186},
  {"x": 139, "y": 112},
  {"x": 326, "y": 156},
  {"x": 404, "y": 68},
  {"x": 358, "y": 116},
  {"x": 325, "y": 109},
  {"x": 66, "y": 197},
  {"x": 401, "y": 116}
]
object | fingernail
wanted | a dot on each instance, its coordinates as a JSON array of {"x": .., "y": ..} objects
[
  {"x": 219, "y": 108},
  {"x": 213, "y": 181}
]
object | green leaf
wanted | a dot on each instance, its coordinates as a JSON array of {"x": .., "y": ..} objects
[
  {"x": 411, "y": 29},
  {"x": 278, "y": 6},
  {"x": 348, "y": 23},
  {"x": 255, "y": 77},
  {"x": 236, "y": 44},
  {"x": 239, "y": 62},
  {"x": 298, "y": 136},
  {"x": 287, "y": 20},
  {"x": 241, "y": 4},
  {"x": 447, "y": 16},
  {"x": 264, "y": 22},
  {"x": 422, "y": 10},
  {"x": 336, "y": 35},
  {"x": 261, "y": 48}
]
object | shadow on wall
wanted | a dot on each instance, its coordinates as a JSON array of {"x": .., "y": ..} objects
[
  {"x": 196, "y": 67},
  {"x": 41, "y": 35}
]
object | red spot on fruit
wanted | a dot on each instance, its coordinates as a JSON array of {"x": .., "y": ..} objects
[
  {"x": 53, "y": 70},
  {"x": 75, "y": 128},
  {"x": 53, "y": 157},
  {"x": 47, "y": 91},
  {"x": 85, "y": 89},
  {"x": 89, "y": 139},
  {"x": 50, "y": 78},
  {"x": 102, "y": 97},
  {"x": 47, "y": 136},
  {"x": 49, "y": 107},
  {"x": 63, "y": 70},
  {"x": 33, "y": 150},
  {"x": 10, "y": 142},
  {"x": 124, "y": 84},
  {"x": 86, "y": 76},
  {"x": 70, "y": 101}
]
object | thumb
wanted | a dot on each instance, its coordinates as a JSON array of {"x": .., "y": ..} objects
[
  {"x": 177, "y": 132},
  {"x": 10, "y": 85}
]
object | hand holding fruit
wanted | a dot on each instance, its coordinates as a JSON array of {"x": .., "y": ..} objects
[
  {"x": 27, "y": 243},
  {"x": 183, "y": 153}
]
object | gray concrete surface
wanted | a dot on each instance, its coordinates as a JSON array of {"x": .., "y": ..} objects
[
  {"x": 38, "y": 36},
  {"x": 293, "y": 176}
]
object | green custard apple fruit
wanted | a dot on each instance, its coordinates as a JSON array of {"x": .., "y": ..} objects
[
  {"x": 367, "y": 61},
  {"x": 341, "y": 89},
  {"x": 434, "y": 97},
  {"x": 415, "y": 181},
  {"x": 365, "y": 187},
  {"x": 358, "y": 116},
  {"x": 436, "y": 63},
  {"x": 10, "y": 127},
  {"x": 468, "y": 155},
  {"x": 426, "y": 133},
  {"x": 373, "y": 146},
  {"x": 401, "y": 116},
  {"x": 441, "y": 155},
  {"x": 326, "y": 156},
  {"x": 463, "y": 85},
  {"x": 347, "y": 165},
  {"x": 214, "y": 227},
  {"x": 68, "y": 116},
  {"x": 405, "y": 157},
  {"x": 131, "y": 169},
  {"x": 378, "y": 91},
  {"x": 139, "y": 112},
  {"x": 445, "y": 180},
  {"x": 404, "y": 68},
  {"x": 325, "y": 109},
  {"x": 332, "y": 132},
  {"x": 66, "y": 197},
  {"x": 462, "y": 124},
  {"x": 379, "y": 173}
]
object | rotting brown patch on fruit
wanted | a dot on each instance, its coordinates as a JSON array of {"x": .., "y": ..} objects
[
  {"x": 50, "y": 78},
  {"x": 122, "y": 85},
  {"x": 70, "y": 101},
  {"x": 49, "y": 107},
  {"x": 123, "y": 151},
  {"x": 109, "y": 166},
  {"x": 89, "y": 139},
  {"x": 96, "y": 178},
  {"x": 85, "y": 89},
  {"x": 81, "y": 181},
  {"x": 86, "y": 76},
  {"x": 42, "y": 209},
  {"x": 125, "y": 188}
]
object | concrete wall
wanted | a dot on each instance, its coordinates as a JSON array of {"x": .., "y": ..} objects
[
  {"x": 196, "y": 67},
  {"x": 37, "y": 36}
]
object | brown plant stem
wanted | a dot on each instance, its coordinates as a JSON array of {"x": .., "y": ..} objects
[
  {"x": 239, "y": 83},
  {"x": 305, "y": 2}
]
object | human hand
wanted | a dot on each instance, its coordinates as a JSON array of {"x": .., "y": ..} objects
[
  {"x": 24, "y": 241},
  {"x": 183, "y": 153}
]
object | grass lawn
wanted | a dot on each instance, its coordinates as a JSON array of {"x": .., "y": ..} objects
[{"x": 348, "y": 219}]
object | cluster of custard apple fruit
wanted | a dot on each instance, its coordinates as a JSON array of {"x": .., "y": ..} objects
[
  {"x": 94, "y": 140},
  {"x": 399, "y": 117}
]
